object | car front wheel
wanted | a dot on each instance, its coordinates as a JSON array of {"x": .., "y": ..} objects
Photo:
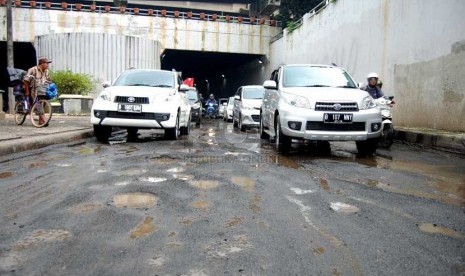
[
  {"x": 173, "y": 133},
  {"x": 282, "y": 142},
  {"x": 102, "y": 133},
  {"x": 367, "y": 147}
]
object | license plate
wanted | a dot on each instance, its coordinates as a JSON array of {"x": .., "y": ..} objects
[
  {"x": 332, "y": 118},
  {"x": 132, "y": 108}
]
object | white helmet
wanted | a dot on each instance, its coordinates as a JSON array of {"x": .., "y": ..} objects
[{"x": 372, "y": 75}]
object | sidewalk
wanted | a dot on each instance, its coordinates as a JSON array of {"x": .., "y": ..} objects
[{"x": 61, "y": 129}]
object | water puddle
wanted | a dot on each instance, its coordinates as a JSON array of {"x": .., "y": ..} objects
[
  {"x": 205, "y": 184},
  {"x": 226, "y": 248},
  {"x": 152, "y": 179},
  {"x": 344, "y": 208},
  {"x": 131, "y": 172},
  {"x": 162, "y": 160},
  {"x": 202, "y": 204},
  {"x": 175, "y": 170},
  {"x": 65, "y": 165},
  {"x": 86, "y": 208},
  {"x": 324, "y": 184},
  {"x": 189, "y": 150},
  {"x": 285, "y": 161},
  {"x": 255, "y": 204},
  {"x": 101, "y": 171},
  {"x": 88, "y": 150},
  {"x": 122, "y": 183},
  {"x": 41, "y": 237},
  {"x": 145, "y": 228},
  {"x": 319, "y": 251},
  {"x": 4, "y": 175},
  {"x": 134, "y": 200},
  {"x": 437, "y": 229},
  {"x": 37, "y": 165},
  {"x": 185, "y": 177},
  {"x": 298, "y": 191},
  {"x": 185, "y": 221},
  {"x": 234, "y": 222},
  {"x": 247, "y": 183}
]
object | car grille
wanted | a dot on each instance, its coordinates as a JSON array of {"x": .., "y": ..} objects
[
  {"x": 137, "y": 100},
  {"x": 256, "y": 118},
  {"x": 320, "y": 106},
  {"x": 357, "y": 126},
  {"x": 139, "y": 116}
]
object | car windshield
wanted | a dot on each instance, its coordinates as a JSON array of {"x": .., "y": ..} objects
[
  {"x": 308, "y": 76},
  {"x": 146, "y": 78},
  {"x": 192, "y": 95},
  {"x": 253, "y": 93}
]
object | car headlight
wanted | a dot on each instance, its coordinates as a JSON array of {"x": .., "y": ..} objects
[
  {"x": 368, "y": 103},
  {"x": 105, "y": 96},
  {"x": 386, "y": 113},
  {"x": 297, "y": 101},
  {"x": 196, "y": 106}
]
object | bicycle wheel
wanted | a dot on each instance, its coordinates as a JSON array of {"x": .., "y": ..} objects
[
  {"x": 20, "y": 113},
  {"x": 41, "y": 113}
]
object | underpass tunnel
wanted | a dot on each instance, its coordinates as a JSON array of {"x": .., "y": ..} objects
[{"x": 216, "y": 73}]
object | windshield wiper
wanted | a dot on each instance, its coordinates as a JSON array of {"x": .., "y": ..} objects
[
  {"x": 162, "y": 85},
  {"x": 138, "y": 84},
  {"x": 345, "y": 86},
  {"x": 315, "y": 85}
]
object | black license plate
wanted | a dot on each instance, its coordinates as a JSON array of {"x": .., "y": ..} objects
[
  {"x": 336, "y": 118},
  {"x": 131, "y": 108}
]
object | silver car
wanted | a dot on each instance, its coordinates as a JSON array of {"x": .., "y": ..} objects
[
  {"x": 318, "y": 103},
  {"x": 246, "y": 112}
]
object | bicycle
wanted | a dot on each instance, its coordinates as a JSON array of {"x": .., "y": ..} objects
[{"x": 40, "y": 108}]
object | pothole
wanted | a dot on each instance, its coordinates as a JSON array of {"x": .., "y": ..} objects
[
  {"x": 134, "y": 200},
  {"x": 247, "y": 183},
  {"x": 343, "y": 208},
  {"x": 437, "y": 229},
  {"x": 205, "y": 184},
  {"x": 40, "y": 237},
  {"x": 145, "y": 228}
]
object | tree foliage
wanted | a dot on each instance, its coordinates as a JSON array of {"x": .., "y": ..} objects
[
  {"x": 293, "y": 10},
  {"x": 68, "y": 82}
]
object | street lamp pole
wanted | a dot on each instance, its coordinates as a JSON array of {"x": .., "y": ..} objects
[{"x": 10, "y": 53}]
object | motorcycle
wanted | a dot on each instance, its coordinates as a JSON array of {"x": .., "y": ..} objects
[
  {"x": 211, "y": 110},
  {"x": 387, "y": 136}
]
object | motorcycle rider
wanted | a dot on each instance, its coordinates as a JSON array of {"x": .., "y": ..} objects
[
  {"x": 212, "y": 101},
  {"x": 372, "y": 88}
]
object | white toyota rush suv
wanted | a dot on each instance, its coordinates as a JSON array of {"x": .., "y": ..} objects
[
  {"x": 143, "y": 99},
  {"x": 318, "y": 103}
]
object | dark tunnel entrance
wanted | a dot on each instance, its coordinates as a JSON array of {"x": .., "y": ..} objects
[
  {"x": 24, "y": 58},
  {"x": 216, "y": 73}
]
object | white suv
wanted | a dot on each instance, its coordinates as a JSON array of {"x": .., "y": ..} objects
[
  {"x": 143, "y": 99},
  {"x": 319, "y": 103}
]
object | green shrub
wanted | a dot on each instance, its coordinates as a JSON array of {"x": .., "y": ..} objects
[{"x": 68, "y": 82}]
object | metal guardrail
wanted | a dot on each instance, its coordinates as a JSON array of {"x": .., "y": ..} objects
[
  {"x": 142, "y": 12},
  {"x": 321, "y": 6}
]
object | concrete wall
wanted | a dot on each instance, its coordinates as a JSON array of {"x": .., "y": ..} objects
[
  {"x": 417, "y": 46},
  {"x": 172, "y": 33}
]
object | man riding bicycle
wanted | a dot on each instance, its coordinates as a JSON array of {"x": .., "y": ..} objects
[{"x": 37, "y": 76}]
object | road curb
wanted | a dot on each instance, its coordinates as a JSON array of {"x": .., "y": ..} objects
[
  {"x": 31, "y": 143},
  {"x": 448, "y": 142}
]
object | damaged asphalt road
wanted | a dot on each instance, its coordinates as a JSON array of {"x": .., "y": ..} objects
[{"x": 224, "y": 203}]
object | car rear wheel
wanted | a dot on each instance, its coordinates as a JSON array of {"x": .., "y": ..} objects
[
  {"x": 282, "y": 142},
  {"x": 367, "y": 147},
  {"x": 173, "y": 133},
  {"x": 102, "y": 133}
]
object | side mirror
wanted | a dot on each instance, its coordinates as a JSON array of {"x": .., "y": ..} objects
[
  {"x": 269, "y": 84},
  {"x": 237, "y": 97},
  {"x": 106, "y": 84},
  {"x": 183, "y": 88},
  {"x": 391, "y": 98},
  {"x": 360, "y": 85}
]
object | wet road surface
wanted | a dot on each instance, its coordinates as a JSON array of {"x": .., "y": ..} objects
[{"x": 224, "y": 203}]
